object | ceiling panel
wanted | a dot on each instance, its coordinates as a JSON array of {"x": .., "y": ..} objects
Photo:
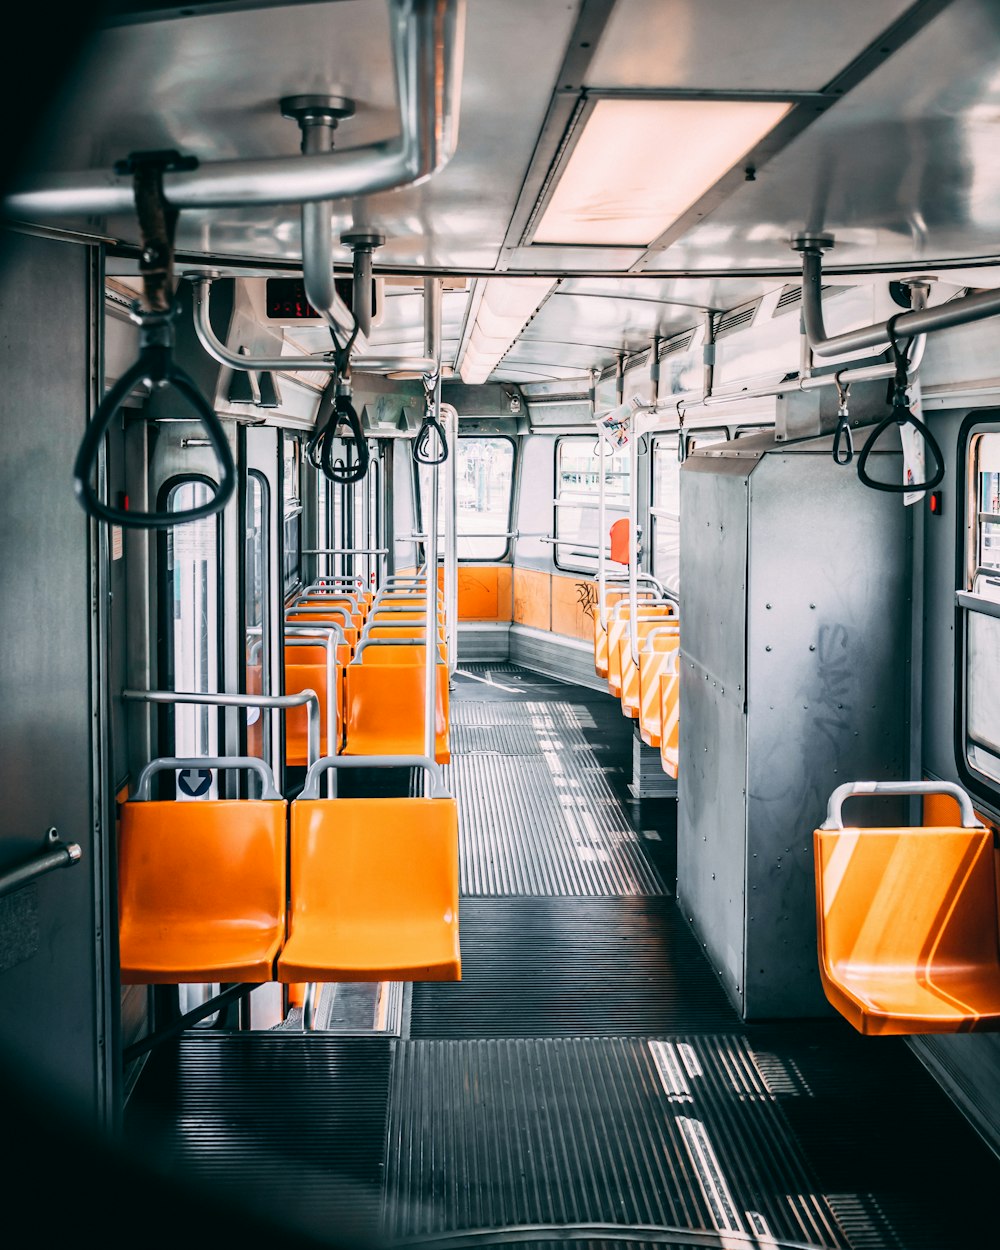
[
  {"x": 780, "y": 45},
  {"x": 184, "y": 83},
  {"x": 613, "y": 324},
  {"x": 903, "y": 168}
]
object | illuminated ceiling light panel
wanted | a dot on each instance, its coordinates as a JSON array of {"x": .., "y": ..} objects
[
  {"x": 640, "y": 164},
  {"x": 506, "y": 307}
]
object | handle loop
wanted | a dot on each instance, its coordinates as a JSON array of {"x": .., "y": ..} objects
[
  {"x": 843, "y": 439},
  {"x": 901, "y": 414},
  {"x": 154, "y": 314}
]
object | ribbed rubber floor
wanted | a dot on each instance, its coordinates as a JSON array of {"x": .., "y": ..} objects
[
  {"x": 537, "y": 815},
  {"x": 573, "y": 968},
  {"x": 588, "y": 1080},
  {"x": 279, "y": 1122},
  {"x": 574, "y": 1131}
]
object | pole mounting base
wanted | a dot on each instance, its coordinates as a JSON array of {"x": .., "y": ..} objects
[
  {"x": 811, "y": 243},
  {"x": 361, "y": 239},
  {"x": 305, "y": 108}
]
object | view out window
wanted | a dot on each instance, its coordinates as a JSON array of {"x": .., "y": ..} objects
[
  {"x": 485, "y": 487},
  {"x": 578, "y": 469},
  {"x": 982, "y": 607},
  {"x": 192, "y": 563},
  {"x": 666, "y": 512},
  {"x": 292, "y": 502}
]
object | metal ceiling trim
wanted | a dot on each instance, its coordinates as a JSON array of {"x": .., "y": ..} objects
[{"x": 593, "y": 17}]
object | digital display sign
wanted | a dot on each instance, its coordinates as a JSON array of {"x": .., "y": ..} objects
[{"x": 286, "y": 300}]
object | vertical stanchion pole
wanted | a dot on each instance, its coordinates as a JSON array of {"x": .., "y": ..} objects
[
  {"x": 432, "y": 348},
  {"x": 451, "y": 537}
]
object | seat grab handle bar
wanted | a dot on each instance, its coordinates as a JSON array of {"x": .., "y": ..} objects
[
  {"x": 834, "y": 816},
  {"x": 166, "y": 762},
  {"x": 310, "y": 789}
]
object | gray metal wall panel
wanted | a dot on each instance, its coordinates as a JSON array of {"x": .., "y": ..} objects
[
  {"x": 49, "y": 1000},
  {"x": 564, "y": 658},
  {"x": 711, "y": 821},
  {"x": 711, "y": 784},
  {"x": 827, "y": 661}
]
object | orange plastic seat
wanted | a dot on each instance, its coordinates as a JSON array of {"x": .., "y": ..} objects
[
  {"x": 618, "y": 629},
  {"x": 907, "y": 921},
  {"x": 315, "y": 615},
  {"x": 655, "y": 659},
  {"x": 374, "y": 891},
  {"x": 620, "y": 541},
  {"x": 305, "y": 669},
  {"x": 384, "y": 707},
  {"x": 351, "y": 606},
  {"x": 630, "y": 692},
  {"x": 670, "y": 691},
  {"x": 201, "y": 887}
]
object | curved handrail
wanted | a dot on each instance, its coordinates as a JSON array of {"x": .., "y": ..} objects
[
  {"x": 834, "y": 817},
  {"x": 58, "y": 855},
  {"x": 164, "y": 763},
  {"x": 310, "y": 789}
]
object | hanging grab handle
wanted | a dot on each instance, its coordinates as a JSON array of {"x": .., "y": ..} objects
[
  {"x": 843, "y": 440},
  {"x": 155, "y": 366},
  {"x": 422, "y": 446},
  {"x": 901, "y": 414},
  {"x": 422, "y": 453}
]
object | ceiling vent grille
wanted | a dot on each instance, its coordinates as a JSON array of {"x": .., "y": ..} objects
[
  {"x": 679, "y": 343},
  {"x": 736, "y": 319},
  {"x": 791, "y": 297}
]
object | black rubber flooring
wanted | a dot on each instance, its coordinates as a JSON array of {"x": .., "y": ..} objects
[{"x": 588, "y": 1080}]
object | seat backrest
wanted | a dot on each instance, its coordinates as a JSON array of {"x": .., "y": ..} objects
[
  {"x": 404, "y": 850},
  {"x": 906, "y": 898},
  {"x": 384, "y": 709},
  {"x": 190, "y": 869},
  {"x": 303, "y": 674}
]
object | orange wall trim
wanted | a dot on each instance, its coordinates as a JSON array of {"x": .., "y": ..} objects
[
  {"x": 484, "y": 592},
  {"x": 558, "y": 603}
]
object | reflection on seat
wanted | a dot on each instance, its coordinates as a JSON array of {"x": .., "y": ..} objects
[{"x": 907, "y": 920}]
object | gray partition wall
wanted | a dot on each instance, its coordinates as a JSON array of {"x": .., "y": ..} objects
[{"x": 795, "y": 639}]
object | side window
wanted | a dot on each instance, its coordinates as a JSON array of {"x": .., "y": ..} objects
[
  {"x": 665, "y": 512},
  {"x": 980, "y": 604},
  {"x": 292, "y": 513},
  {"x": 484, "y": 497},
  {"x": 485, "y": 493},
  {"x": 191, "y": 637},
  {"x": 578, "y": 469}
]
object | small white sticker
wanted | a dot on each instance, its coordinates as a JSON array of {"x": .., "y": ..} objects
[
  {"x": 117, "y": 542},
  {"x": 914, "y": 451}
]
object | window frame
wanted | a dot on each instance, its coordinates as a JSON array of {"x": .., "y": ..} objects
[
  {"x": 967, "y": 536},
  {"x": 418, "y": 495},
  {"x": 165, "y": 641},
  {"x": 557, "y": 504}
]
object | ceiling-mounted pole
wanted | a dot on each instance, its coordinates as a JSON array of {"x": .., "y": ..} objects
[
  {"x": 427, "y": 46},
  {"x": 905, "y": 324},
  {"x": 362, "y": 245}
]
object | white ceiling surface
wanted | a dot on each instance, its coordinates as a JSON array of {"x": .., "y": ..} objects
[{"x": 903, "y": 169}]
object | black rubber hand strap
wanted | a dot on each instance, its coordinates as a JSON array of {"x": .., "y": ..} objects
[{"x": 154, "y": 364}]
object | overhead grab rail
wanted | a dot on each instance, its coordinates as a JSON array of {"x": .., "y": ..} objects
[
  {"x": 154, "y": 313},
  {"x": 427, "y": 45},
  {"x": 904, "y": 325},
  {"x": 56, "y": 855}
]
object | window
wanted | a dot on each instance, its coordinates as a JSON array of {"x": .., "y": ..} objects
[
  {"x": 192, "y": 635},
  {"x": 292, "y": 501},
  {"x": 484, "y": 496},
  {"x": 666, "y": 512},
  {"x": 578, "y": 468},
  {"x": 980, "y": 602}
]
